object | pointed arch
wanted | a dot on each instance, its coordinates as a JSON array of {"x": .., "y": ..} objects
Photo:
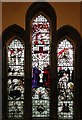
[
  {"x": 12, "y": 77},
  {"x": 70, "y": 31},
  {"x": 72, "y": 35},
  {"x": 13, "y": 30},
  {"x": 46, "y": 10}
]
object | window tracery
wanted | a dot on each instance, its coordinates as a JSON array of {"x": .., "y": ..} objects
[
  {"x": 40, "y": 67},
  {"x": 15, "y": 85},
  {"x": 65, "y": 54}
]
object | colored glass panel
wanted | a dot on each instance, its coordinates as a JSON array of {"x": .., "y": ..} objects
[
  {"x": 65, "y": 87},
  {"x": 40, "y": 67},
  {"x": 15, "y": 78}
]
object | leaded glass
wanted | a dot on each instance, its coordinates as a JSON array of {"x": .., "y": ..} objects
[
  {"x": 15, "y": 78},
  {"x": 40, "y": 67},
  {"x": 65, "y": 54}
]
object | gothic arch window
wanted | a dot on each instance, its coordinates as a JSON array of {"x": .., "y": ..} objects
[
  {"x": 41, "y": 72},
  {"x": 65, "y": 68},
  {"x": 14, "y": 75},
  {"x": 68, "y": 53},
  {"x": 40, "y": 34},
  {"x": 40, "y": 66}
]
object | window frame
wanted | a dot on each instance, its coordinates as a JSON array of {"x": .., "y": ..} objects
[
  {"x": 56, "y": 36},
  {"x": 7, "y": 36},
  {"x": 74, "y": 37},
  {"x": 47, "y": 10}
]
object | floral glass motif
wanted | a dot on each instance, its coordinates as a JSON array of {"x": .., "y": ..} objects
[
  {"x": 15, "y": 78},
  {"x": 65, "y": 87},
  {"x": 40, "y": 67}
]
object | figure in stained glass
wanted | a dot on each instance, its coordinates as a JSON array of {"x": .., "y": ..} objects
[
  {"x": 65, "y": 79},
  {"x": 36, "y": 77},
  {"x": 40, "y": 66}
]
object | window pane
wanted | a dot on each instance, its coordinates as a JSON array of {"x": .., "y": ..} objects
[
  {"x": 15, "y": 78},
  {"x": 40, "y": 67},
  {"x": 65, "y": 54}
]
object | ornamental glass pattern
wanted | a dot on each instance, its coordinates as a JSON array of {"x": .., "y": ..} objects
[
  {"x": 40, "y": 67},
  {"x": 15, "y": 85},
  {"x": 65, "y": 86}
]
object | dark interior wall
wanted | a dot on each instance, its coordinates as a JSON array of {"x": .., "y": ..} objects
[
  {"x": 81, "y": 36},
  {"x": 81, "y": 19},
  {"x": 0, "y": 60},
  {"x": 67, "y": 13}
]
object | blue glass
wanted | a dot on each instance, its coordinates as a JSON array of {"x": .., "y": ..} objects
[{"x": 40, "y": 67}]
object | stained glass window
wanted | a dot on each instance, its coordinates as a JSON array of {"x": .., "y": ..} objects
[
  {"x": 65, "y": 68},
  {"x": 40, "y": 67},
  {"x": 15, "y": 84}
]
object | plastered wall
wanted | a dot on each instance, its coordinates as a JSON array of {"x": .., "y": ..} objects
[{"x": 67, "y": 13}]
